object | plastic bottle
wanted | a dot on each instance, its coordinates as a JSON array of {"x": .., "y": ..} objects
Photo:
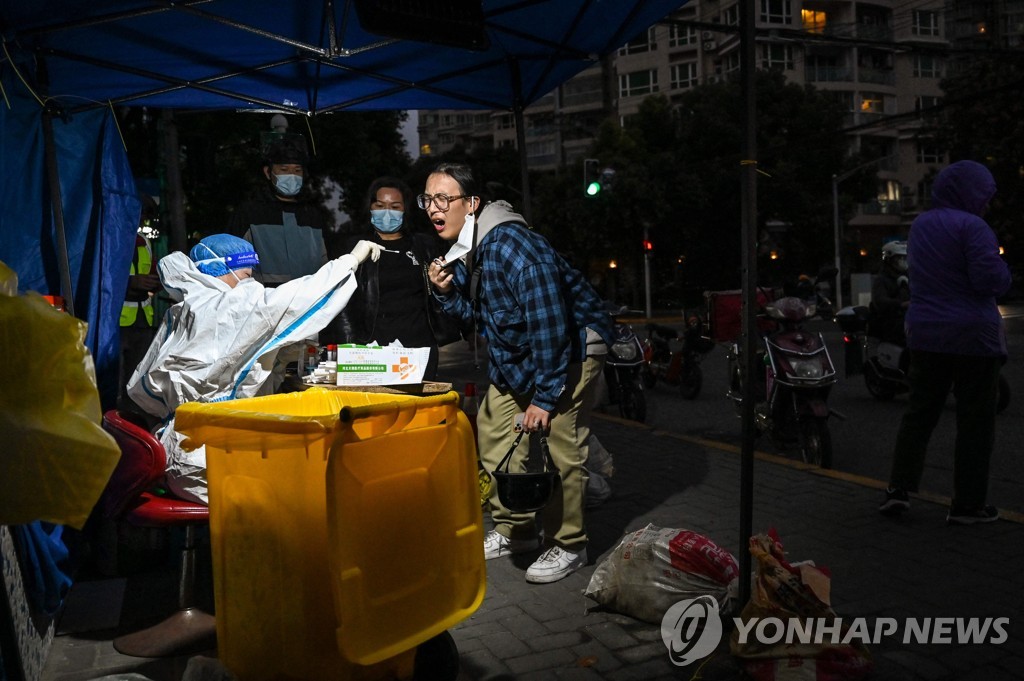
[
  {"x": 311, "y": 361},
  {"x": 332, "y": 353}
]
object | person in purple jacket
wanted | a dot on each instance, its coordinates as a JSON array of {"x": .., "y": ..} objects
[{"x": 956, "y": 340}]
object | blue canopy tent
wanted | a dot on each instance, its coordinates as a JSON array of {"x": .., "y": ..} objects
[{"x": 66, "y": 58}]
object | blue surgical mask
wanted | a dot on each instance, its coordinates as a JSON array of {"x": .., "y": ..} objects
[
  {"x": 387, "y": 221},
  {"x": 288, "y": 185}
]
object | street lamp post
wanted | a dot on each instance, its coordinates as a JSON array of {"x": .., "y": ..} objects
[
  {"x": 838, "y": 243},
  {"x": 647, "y": 271}
]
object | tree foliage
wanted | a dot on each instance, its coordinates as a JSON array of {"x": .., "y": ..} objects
[
  {"x": 678, "y": 171},
  {"x": 221, "y": 160},
  {"x": 677, "y": 175},
  {"x": 984, "y": 121}
]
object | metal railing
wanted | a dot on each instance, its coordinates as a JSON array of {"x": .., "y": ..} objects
[
  {"x": 876, "y": 76},
  {"x": 829, "y": 74}
]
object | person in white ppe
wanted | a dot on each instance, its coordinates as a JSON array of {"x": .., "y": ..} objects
[{"x": 219, "y": 341}]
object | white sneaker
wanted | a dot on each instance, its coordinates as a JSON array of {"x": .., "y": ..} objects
[
  {"x": 554, "y": 564},
  {"x": 497, "y": 545}
]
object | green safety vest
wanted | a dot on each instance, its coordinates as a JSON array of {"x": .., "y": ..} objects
[{"x": 142, "y": 263}]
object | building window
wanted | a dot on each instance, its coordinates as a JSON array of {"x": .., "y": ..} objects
[
  {"x": 926, "y": 23},
  {"x": 731, "y": 15},
  {"x": 542, "y": 152},
  {"x": 582, "y": 91},
  {"x": 731, "y": 63},
  {"x": 644, "y": 42},
  {"x": 679, "y": 36},
  {"x": 776, "y": 56},
  {"x": 683, "y": 75},
  {"x": 775, "y": 11},
  {"x": 924, "y": 190},
  {"x": 889, "y": 190},
  {"x": 638, "y": 83},
  {"x": 447, "y": 138},
  {"x": 871, "y": 102},
  {"x": 922, "y": 102},
  {"x": 928, "y": 152},
  {"x": 506, "y": 122},
  {"x": 813, "y": 20},
  {"x": 843, "y": 97},
  {"x": 927, "y": 66}
]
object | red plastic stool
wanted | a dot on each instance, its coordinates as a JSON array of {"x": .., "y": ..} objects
[{"x": 129, "y": 497}]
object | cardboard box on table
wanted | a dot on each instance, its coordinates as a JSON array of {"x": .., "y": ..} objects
[{"x": 360, "y": 365}]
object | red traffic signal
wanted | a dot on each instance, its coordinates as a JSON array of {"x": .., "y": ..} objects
[{"x": 648, "y": 246}]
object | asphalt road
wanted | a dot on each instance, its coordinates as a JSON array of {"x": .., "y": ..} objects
[{"x": 863, "y": 442}]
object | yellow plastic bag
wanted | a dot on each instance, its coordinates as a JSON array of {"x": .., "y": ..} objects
[
  {"x": 55, "y": 459},
  {"x": 795, "y": 594}
]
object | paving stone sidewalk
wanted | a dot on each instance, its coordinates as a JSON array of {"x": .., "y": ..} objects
[{"x": 914, "y": 567}]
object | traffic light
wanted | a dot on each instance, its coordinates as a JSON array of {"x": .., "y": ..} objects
[
  {"x": 591, "y": 178},
  {"x": 648, "y": 247}
]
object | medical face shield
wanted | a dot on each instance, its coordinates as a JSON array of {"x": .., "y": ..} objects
[{"x": 220, "y": 265}]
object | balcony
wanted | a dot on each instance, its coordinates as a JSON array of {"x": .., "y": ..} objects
[
  {"x": 829, "y": 74},
  {"x": 876, "y": 76},
  {"x": 863, "y": 117},
  {"x": 874, "y": 32},
  {"x": 881, "y": 207},
  {"x": 592, "y": 98}
]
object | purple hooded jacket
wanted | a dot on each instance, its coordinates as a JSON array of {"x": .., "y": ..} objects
[{"x": 955, "y": 268}]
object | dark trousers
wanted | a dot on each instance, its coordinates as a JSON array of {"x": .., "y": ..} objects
[{"x": 975, "y": 383}]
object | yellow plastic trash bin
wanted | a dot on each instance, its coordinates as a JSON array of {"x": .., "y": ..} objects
[{"x": 345, "y": 529}]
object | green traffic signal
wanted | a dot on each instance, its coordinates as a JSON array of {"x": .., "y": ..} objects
[{"x": 594, "y": 188}]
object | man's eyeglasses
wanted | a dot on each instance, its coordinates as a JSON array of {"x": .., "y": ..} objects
[{"x": 442, "y": 201}]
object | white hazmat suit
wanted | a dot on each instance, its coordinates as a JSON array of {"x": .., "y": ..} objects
[{"x": 220, "y": 343}]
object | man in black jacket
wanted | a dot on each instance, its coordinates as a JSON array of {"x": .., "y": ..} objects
[{"x": 284, "y": 225}]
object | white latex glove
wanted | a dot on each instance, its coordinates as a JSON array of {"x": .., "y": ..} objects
[{"x": 367, "y": 249}]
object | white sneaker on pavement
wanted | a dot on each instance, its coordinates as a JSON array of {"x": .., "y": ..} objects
[
  {"x": 554, "y": 564},
  {"x": 497, "y": 545}
]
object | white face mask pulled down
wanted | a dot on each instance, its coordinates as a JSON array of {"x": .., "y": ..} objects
[{"x": 464, "y": 244}]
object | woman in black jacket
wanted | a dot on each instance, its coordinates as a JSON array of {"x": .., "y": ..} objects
[{"x": 393, "y": 300}]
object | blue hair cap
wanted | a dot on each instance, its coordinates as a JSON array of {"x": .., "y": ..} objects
[{"x": 218, "y": 254}]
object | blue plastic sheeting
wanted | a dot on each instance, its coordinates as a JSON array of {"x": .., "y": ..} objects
[
  {"x": 101, "y": 215},
  {"x": 43, "y": 558},
  {"x": 309, "y": 56}
]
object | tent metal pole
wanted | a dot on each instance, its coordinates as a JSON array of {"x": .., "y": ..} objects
[
  {"x": 517, "y": 112},
  {"x": 749, "y": 339},
  {"x": 57, "y": 206}
]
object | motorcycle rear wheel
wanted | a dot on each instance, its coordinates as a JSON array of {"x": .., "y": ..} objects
[
  {"x": 876, "y": 386},
  {"x": 632, "y": 402},
  {"x": 816, "y": 442},
  {"x": 690, "y": 382}
]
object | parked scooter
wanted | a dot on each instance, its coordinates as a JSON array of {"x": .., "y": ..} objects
[
  {"x": 675, "y": 360},
  {"x": 622, "y": 370},
  {"x": 794, "y": 386},
  {"x": 883, "y": 363}
]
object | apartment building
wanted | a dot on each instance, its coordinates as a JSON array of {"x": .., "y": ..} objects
[{"x": 883, "y": 60}]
